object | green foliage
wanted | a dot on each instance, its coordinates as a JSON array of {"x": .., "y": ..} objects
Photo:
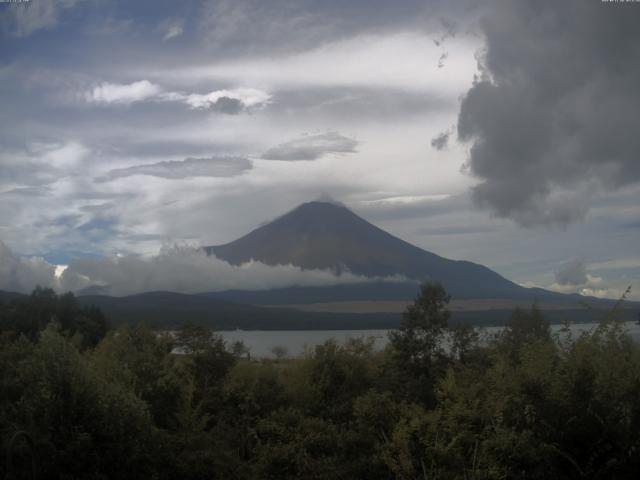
[
  {"x": 525, "y": 327},
  {"x": 438, "y": 403},
  {"x": 29, "y": 315},
  {"x": 141, "y": 361},
  {"x": 82, "y": 425},
  {"x": 417, "y": 356}
]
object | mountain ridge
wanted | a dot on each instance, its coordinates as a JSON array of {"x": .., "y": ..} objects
[{"x": 323, "y": 235}]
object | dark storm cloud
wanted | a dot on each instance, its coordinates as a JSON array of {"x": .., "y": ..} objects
[
  {"x": 572, "y": 273},
  {"x": 555, "y": 115},
  {"x": 311, "y": 147},
  {"x": 190, "y": 167}
]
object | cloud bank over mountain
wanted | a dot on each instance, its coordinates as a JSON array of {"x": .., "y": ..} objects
[{"x": 176, "y": 269}]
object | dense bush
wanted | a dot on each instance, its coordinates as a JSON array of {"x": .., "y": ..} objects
[{"x": 437, "y": 403}]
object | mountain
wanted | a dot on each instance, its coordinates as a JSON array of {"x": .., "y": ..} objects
[
  {"x": 8, "y": 296},
  {"x": 326, "y": 235}
]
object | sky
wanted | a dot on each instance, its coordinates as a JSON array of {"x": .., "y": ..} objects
[{"x": 504, "y": 133}]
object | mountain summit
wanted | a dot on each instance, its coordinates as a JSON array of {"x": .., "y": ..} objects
[{"x": 326, "y": 235}]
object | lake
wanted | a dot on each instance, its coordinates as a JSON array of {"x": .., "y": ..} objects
[{"x": 261, "y": 342}]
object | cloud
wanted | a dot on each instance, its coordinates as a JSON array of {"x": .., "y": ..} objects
[
  {"x": 229, "y": 101},
  {"x": 291, "y": 25},
  {"x": 124, "y": 94},
  {"x": 25, "y": 18},
  {"x": 410, "y": 207},
  {"x": 442, "y": 59},
  {"x": 457, "y": 230},
  {"x": 23, "y": 274},
  {"x": 440, "y": 141},
  {"x": 573, "y": 277},
  {"x": 311, "y": 147},
  {"x": 190, "y": 167},
  {"x": 39, "y": 164},
  {"x": 552, "y": 119},
  {"x": 355, "y": 103},
  {"x": 410, "y": 60},
  {"x": 175, "y": 269},
  {"x": 572, "y": 273},
  {"x": 593, "y": 286},
  {"x": 190, "y": 270},
  {"x": 228, "y": 105},
  {"x": 63, "y": 156},
  {"x": 171, "y": 28},
  {"x": 617, "y": 264}
]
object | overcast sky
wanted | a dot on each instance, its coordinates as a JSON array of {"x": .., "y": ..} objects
[{"x": 504, "y": 133}]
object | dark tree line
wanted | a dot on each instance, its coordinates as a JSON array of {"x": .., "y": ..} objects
[{"x": 438, "y": 402}]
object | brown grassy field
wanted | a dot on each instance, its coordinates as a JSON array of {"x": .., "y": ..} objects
[{"x": 476, "y": 305}]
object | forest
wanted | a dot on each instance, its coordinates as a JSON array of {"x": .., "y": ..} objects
[{"x": 83, "y": 399}]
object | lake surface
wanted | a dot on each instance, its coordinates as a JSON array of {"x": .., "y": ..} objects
[{"x": 262, "y": 342}]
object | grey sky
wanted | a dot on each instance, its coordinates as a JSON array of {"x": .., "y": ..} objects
[{"x": 198, "y": 112}]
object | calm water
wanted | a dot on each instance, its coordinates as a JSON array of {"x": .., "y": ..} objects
[{"x": 261, "y": 342}]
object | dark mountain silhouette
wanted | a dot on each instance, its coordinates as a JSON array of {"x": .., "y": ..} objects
[{"x": 330, "y": 236}]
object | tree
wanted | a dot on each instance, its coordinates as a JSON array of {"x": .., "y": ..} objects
[
  {"x": 523, "y": 328},
  {"x": 207, "y": 359},
  {"x": 417, "y": 354},
  {"x": 141, "y": 359},
  {"x": 82, "y": 425},
  {"x": 280, "y": 352},
  {"x": 30, "y": 315}
]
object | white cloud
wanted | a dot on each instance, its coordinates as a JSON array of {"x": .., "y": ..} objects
[
  {"x": 572, "y": 277},
  {"x": 405, "y": 200},
  {"x": 39, "y": 164},
  {"x": 176, "y": 269},
  {"x": 113, "y": 93},
  {"x": 406, "y": 61},
  {"x": 592, "y": 287},
  {"x": 23, "y": 274},
  {"x": 248, "y": 97},
  {"x": 64, "y": 156},
  {"x": 590, "y": 283},
  {"x": 229, "y": 101}
]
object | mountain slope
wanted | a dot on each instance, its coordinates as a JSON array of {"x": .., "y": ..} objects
[{"x": 329, "y": 236}]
